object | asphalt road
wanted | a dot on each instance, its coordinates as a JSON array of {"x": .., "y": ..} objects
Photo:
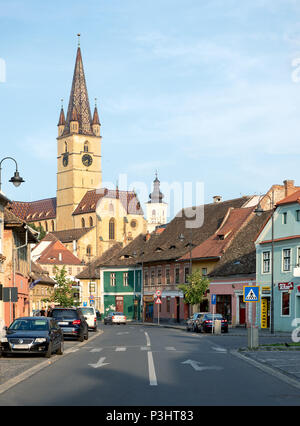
[{"x": 150, "y": 366}]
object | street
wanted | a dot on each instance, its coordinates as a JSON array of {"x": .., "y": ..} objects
[{"x": 150, "y": 366}]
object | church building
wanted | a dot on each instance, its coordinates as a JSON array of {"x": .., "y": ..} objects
[{"x": 100, "y": 216}]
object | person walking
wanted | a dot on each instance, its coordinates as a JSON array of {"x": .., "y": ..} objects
[{"x": 43, "y": 312}]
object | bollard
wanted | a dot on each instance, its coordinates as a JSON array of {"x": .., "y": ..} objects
[
  {"x": 217, "y": 328},
  {"x": 253, "y": 337}
]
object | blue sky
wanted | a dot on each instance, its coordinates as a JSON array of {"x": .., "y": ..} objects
[{"x": 202, "y": 90}]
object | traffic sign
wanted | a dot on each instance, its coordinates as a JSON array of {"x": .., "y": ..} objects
[
  {"x": 213, "y": 299},
  {"x": 158, "y": 301},
  {"x": 251, "y": 293},
  {"x": 158, "y": 293},
  {"x": 92, "y": 297}
]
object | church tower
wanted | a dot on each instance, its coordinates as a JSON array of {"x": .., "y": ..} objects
[
  {"x": 78, "y": 150},
  {"x": 156, "y": 208}
]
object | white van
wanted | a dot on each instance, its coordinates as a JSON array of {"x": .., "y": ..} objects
[{"x": 89, "y": 312}]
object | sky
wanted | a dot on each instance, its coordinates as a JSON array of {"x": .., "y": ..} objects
[{"x": 203, "y": 91}]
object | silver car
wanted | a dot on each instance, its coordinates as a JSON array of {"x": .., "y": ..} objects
[{"x": 115, "y": 318}]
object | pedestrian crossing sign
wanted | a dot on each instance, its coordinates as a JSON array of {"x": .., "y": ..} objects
[{"x": 251, "y": 293}]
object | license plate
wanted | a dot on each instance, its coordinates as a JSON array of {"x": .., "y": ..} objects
[
  {"x": 21, "y": 346},
  {"x": 63, "y": 323}
]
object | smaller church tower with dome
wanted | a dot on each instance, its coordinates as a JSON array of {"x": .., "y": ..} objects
[{"x": 156, "y": 209}]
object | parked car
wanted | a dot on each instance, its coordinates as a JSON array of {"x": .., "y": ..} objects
[
  {"x": 90, "y": 316},
  {"x": 191, "y": 322},
  {"x": 34, "y": 335},
  {"x": 205, "y": 323},
  {"x": 72, "y": 322},
  {"x": 115, "y": 318}
]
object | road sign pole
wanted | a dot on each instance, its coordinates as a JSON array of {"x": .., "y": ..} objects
[{"x": 158, "y": 313}]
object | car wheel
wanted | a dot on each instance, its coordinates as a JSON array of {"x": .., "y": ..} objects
[
  {"x": 81, "y": 338},
  {"x": 60, "y": 350},
  {"x": 86, "y": 335},
  {"x": 95, "y": 329},
  {"x": 49, "y": 351}
]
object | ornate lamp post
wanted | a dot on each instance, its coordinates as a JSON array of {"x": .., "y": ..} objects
[{"x": 16, "y": 179}]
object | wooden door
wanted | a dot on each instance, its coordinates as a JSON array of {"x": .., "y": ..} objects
[{"x": 119, "y": 304}]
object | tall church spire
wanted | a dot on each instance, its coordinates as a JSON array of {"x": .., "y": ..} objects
[{"x": 79, "y": 100}]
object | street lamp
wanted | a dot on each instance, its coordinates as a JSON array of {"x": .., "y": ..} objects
[
  {"x": 16, "y": 179},
  {"x": 259, "y": 211}
]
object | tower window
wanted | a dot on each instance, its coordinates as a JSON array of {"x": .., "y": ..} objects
[
  {"x": 86, "y": 147},
  {"x": 112, "y": 229},
  {"x": 66, "y": 147},
  {"x": 82, "y": 223},
  {"x": 89, "y": 250},
  {"x": 91, "y": 221}
]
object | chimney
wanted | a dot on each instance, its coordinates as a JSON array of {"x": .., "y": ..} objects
[
  {"x": 289, "y": 187},
  {"x": 217, "y": 199}
]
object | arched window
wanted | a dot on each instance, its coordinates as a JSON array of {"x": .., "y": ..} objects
[
  {"x": 112, "y": 229},
  {"x": 89, "y": 250},
  {"x": 46, "y": 226},
  {"x": 82, "y": 222},
  {"x": 153, "y": 213},
  {"x": 91, "y": 221},
  {"x": 66, "y": 147},
  {"x": 86, "y": 146},
  {"x": 52, "y": 225}
]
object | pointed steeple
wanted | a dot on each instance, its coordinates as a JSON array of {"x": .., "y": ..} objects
[
  {"x": 80, "y": 100},
  {"x": 61, "y": 121}
]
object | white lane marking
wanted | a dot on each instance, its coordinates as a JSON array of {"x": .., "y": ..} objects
[
  {"x": 151, "y": 368},
  {"x": 197, "y": 367},
  {"x": 121, "y": 349},
  {"x": 152, "y": 375},
  {"x": 145, "y": 348},
  {"x": 100, "y": 363},
  {"x": 96, "y": 350},
  {"x": 71, "y": 350},
  {"x": 219, "y": 349},
  {"x": 147, "y": 338},
  {"x": 122, "y": 332},
  {"x": 170, "y": 348}
]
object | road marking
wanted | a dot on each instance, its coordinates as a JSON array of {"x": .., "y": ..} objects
[
  {"x": 122, "y": 332},
  {"x": 145, "y": 348},
  {"x": 152, "y": 375},
  {"x": 71, "y": 350},
  {"x": 96, "y": 350},
  {"x": 219, "y": 349},
  {"x": 197, "y": 367},
  {"x": 100, "y": 363},
  {"x": 147, "y": 338},
  {"x": 121, "y": 349},
  {"x": 170, "y": 348}
]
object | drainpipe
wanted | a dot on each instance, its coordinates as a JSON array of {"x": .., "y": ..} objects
[{"x": 14, "y": 266}]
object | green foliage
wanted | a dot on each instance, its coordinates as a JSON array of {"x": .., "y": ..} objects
[
  {"x": 40, "y": 229},
  {"x": 195, "y": 289},
  {"x": 63, "y": 292}
]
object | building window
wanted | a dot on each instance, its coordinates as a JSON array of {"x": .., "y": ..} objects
[
  {"x": 113, "y": 279},
  {"x": 284, "y": 218},
  {"x": 285, "y": 304},
  {"x": 298, "y": 215},
  {"x": 152, "y": 276},
  {"x": 168, "y": 304},
  {"x": 86, "y": 147},
  {"x": 158, "y": 275},
  {"x": 92, "y": 287},
  {"x": 91, "y": 221},
  {"x": 186, "y": 274},
  {"x": 266, "y": 262},
  {"x": 204, "y": 272},
  {"x": 112, "y": 229},
  {"x": 89, "y": 250},
  {"x": 286, "y": 259},
  {"x": 125, "y": 279},
  {"x": 177, "y": 276},
  {"x": 168, "y": 276},
  {"x": 146, "y": 277},
  {"x": 52, "y": 225},
  {"x": 82, "y": 222}
]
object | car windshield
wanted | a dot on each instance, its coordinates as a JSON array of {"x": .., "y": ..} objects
[
  {"x": 64, "y": 313},
  {"x": 215, "y": 316},
  {"x": 87, "y": 311},
  {"x": 30, "y": 325},
  {"x": 118, "y": 313}
]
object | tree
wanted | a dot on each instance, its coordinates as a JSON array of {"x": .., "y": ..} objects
[
  {"x": 40, "y": 229},
  {"x": 63, "y": 292},
  {"x": 195, "y": 289}
]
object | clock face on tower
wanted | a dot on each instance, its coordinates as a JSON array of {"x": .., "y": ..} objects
[{"x": 87, "y": 160}]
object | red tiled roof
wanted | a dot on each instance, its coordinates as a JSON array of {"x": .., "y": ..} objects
[
  {"x": 217, "y": 243},
  {"x": 51, "y": 255},
  {"x": 35, "y": 210},
  {"x": 292, "y": 198},
  {"x": 129, "y": 200}
]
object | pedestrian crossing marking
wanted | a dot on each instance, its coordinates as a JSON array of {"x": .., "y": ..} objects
[
  {"x": 251, "y": 295},
  {"x": 121, "y": 349}
]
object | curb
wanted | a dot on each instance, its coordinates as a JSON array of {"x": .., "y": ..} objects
[
  {"x": 278, "y": 374},
  {"x": 31, "y": 371}
]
